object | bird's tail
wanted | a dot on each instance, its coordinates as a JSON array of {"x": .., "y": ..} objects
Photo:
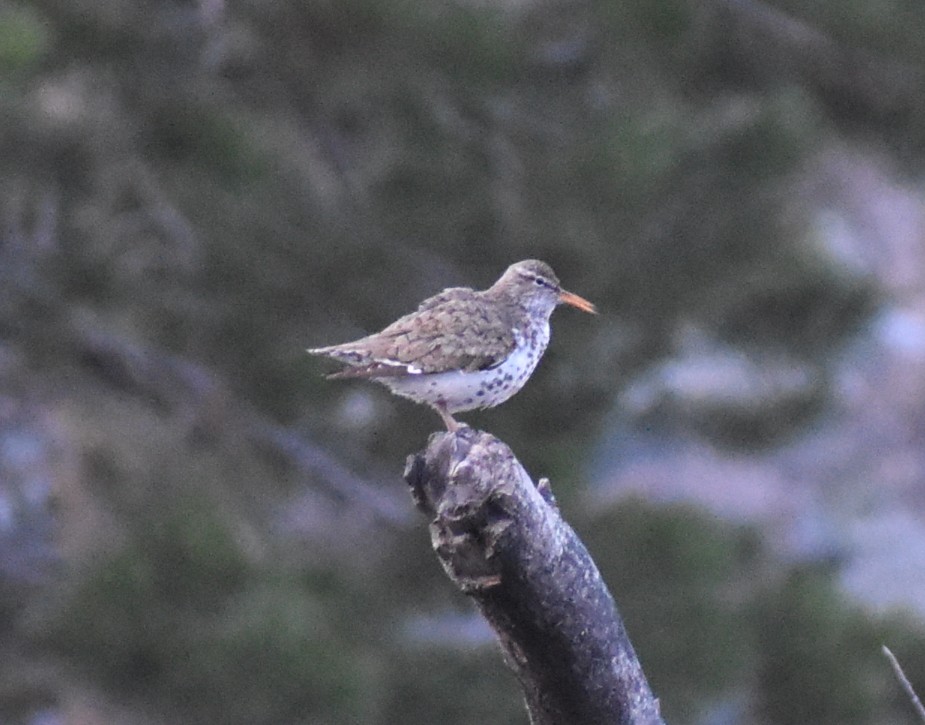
[{"x": 342, "y": 353}]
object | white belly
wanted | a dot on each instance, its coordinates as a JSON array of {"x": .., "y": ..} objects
[{"x": 460, "y": 391}]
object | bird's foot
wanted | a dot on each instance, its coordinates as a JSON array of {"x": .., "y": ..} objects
[{"x": 452, "y": 425}]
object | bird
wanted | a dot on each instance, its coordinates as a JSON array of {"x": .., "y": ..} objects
[{"x": 463, "y": 349}]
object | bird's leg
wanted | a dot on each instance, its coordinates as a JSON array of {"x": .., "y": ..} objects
[{"x": 451, "y": 425}]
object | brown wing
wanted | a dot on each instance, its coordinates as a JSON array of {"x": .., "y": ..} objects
[{"x": 454, "y": 330}]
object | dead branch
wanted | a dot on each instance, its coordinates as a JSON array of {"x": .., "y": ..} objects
[{"x": 502, "y": 541}]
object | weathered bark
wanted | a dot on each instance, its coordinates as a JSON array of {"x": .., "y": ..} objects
[{"x": 501, "y": 540}]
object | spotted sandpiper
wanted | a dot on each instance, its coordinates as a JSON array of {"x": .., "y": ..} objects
[{"x": 463, "y": 349}]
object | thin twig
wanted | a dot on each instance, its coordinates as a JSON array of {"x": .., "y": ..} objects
[{"x": 904, "y": 681}]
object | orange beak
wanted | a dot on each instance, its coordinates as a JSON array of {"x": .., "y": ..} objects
[{"x": 575, "y": 301}]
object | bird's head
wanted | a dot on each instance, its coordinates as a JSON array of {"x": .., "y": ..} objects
[{"x": 534, "y": 284}]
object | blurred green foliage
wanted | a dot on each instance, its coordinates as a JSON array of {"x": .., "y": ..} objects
[
  {"x": 180, "y": 616},
  {"x": 677, "y": 579},
  {"x": 24, "y": 38},
  {"x": 210, "y": 187},
  {"x": 710, "y": 615}
]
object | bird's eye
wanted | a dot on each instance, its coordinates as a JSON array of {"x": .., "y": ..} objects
[{"x": 539, "y": 281}]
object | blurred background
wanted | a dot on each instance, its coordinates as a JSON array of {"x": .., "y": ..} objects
[{"x": 196, "y": 527}]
